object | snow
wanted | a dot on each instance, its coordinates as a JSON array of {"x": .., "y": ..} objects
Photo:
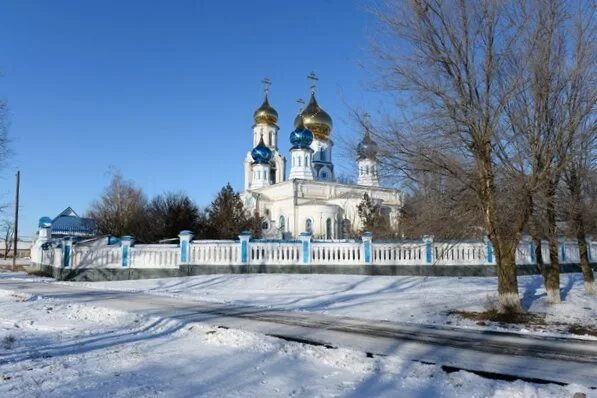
[
  {"x": 6, "y": 263},
  {"x": 54, "y": 348},
  {"x": 425, "y": 300}
]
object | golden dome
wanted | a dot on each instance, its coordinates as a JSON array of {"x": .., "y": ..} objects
[
  {"x": 315, "y": 119},
  {"x": 265, "y": 113}
]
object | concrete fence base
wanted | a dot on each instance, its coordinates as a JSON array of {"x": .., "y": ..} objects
[{"x": 115, "y": 274}]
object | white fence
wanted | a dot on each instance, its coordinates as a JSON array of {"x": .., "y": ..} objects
[
  {"x": 123, "y": 254},
  {"x": 214, "y": 252}
]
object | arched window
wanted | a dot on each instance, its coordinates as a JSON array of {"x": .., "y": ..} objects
[
  {"x": 367, "y": 169},
  {"x": 309, "y": 225},
  {"x": 346, "y": 228},
  {"x": 324, "y": 175},
  {"x": 271, "y": 143},
  {"x": 328, "y": 228},
  {"x": 306, "y": 161},
  {"x": 300, "y": 159},
  {"x": 265, "y": 225},
  {"x": 282, "y": 223}
]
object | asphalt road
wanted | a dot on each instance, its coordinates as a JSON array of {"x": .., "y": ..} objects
[{"x": 496, "y": 354}]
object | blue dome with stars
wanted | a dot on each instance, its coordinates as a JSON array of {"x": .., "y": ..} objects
[
  {"x": 261, "y": 154},
  {"x": 301, "y": 137}
]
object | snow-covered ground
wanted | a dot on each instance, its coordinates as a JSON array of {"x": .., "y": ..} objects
[
  {"x": 6, "y": 263},
  {"x": 54, "y": 348},
  {"x": 426, "y": 300}
]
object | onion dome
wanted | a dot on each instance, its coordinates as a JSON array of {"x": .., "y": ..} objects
[
  {"x": 301, "y": 137},
  {"x": 316, "y": 119},
  {"x": 261, "y": 154},
  {"x": 265, "y": 113},
  {"x": 367, "y": 148}
]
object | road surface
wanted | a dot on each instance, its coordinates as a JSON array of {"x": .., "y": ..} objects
[{"x": 495, "y": 354}]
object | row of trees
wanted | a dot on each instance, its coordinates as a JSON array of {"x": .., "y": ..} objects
[
  {"x": 498, "y": 137},
  {"x": 123, "y": 209}
]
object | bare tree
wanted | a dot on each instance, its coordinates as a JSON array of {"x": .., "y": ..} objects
[
  {"x": 582, "y": 163},
  {"x": 171, "y": 213},
  {"x": 548, "y": 112},
  {"x": 7, "y": 230},
  {"x": 440, "y": 206},
  {"x": 120, "y": 210},
  {"x": 454, "y": 69}
]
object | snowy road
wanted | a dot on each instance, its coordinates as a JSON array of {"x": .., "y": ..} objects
[{"x": 563, "y": 360}]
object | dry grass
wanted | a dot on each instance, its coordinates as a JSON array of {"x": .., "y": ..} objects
[
  {"x": 495, "y": 316},
  {"x": 582, "y": 330},
  {"x": 534, "y": 321}
]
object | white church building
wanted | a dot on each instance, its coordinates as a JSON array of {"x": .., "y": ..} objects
[{"x": 310, "y": 199}]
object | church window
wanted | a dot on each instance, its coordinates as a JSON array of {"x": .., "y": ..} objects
[
  {"x": 271, "y": 143},
  {"x": 300, "y": 161},
  {"x": 367, "y": 169},
  {"x": 309, "y": 225},
  {"x": 324, "y": 175},
  {"x": 282, "y": 223},
  {"x": 346, "y": 228},
  {"x": 265, "y": 225},
  {"x": 328, "y": 228},
  {"x": 272, "y": 175},
  {"x": 306, "y": 161}
]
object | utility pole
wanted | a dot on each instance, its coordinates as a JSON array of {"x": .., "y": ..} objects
[{"x": 16, "y": 234}]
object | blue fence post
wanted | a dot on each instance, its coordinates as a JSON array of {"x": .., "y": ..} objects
[
  {"x": 67, "y": 249},
  {"x": 305, "y": 238},
  {"x": 367, "y": 239},
  {"x": 489, "y": 247},
  {"x": 245, "y": 238},
  {"x": 185, "y": 246},
  {"x": 125, "y": 247},
  {"x": 428, "y": 240}
]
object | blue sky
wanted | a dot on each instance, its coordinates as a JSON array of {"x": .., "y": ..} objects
[{"x": 164, "y": 91}]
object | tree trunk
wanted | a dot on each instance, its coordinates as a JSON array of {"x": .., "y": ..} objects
[
  {"x": 507, "y": 278},
  {"x": 579, "y": 227},
  {"x": 552, "y": 283},
  {"x": 505, "y": 254},
  {"x": 587, "y": 271},
  {"x": 536, "y": 237},
  {"x": 539, "y": 255}
]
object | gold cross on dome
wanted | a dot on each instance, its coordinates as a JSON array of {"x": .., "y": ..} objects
[
  {"x": 266, "y": 83},
  {"x": 313, "y": 77}
]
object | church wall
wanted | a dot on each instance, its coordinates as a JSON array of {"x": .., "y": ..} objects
[{"x": 320, "y": 201}]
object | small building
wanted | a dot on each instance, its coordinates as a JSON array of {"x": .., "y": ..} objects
[{"x": 68, "y": 223}]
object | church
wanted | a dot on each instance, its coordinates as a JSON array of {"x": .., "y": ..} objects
[{"x": 309, "y": 199}]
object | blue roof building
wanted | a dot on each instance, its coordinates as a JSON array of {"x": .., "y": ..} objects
[{"x": 68, "y": 223}]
